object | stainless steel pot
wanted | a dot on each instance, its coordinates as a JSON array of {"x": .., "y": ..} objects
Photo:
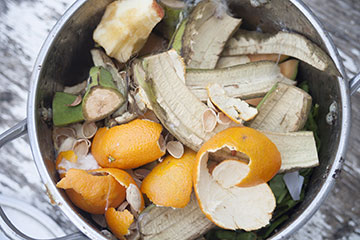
[{"x": 65, "y": 57}]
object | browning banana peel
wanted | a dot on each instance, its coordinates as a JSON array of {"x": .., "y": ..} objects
[
  {"x": 102, "y": 97},
  {"x": 291, "y": 44}
]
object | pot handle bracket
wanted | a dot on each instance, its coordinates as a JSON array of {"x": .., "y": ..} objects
[
  {"x": 6, "y": 227},
  {"x": 354, "y": 84}
]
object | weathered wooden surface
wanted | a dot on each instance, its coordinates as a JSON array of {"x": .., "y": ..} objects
[
  {"x": 339, "y": 217},
  {"x": 24, "y": 25}
]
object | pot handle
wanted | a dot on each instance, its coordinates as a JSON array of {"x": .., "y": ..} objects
[
  {"x": 354, "y": 84},
  {"x": 6, "y": 227}
]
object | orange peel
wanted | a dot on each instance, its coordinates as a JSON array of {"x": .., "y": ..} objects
[
  {"x": 229, "y": 172},
  {"x": 97, "y": 143},
  {"x": 264, "y": 157},
  {"x": 128, "y": 145},
  {"x": 119, "y": 222},
  {"x": 133, "y": 193},
  {"x": 234, "y": 194},
  {"x": 93, "y": 194},
  {"x": 169, "y": 184},
  {"x": 68, "y": 156},
  {"x": 69, "y": 159},
  {"x": 247, "y": 208}
]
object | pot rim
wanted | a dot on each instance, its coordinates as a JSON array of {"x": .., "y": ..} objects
[
  {"x": 344, "y": 131},
  {"x": 80, "y": 222}
]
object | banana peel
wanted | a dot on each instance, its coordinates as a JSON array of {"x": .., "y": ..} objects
[
  {"x": 63, "y": 113},
  {"x": 173, "y": 10},
  {"x": 291, "y": 44},
  {"x": 102, "y": 97},
  {"x": 176, "y": 224},
  {"x": 176, "y": 40},
  {"x": 290, "y": 68},
  {"x": 180, "y": 112},
  {"x": 161, "y": 78},
  {"x": 297, "y": 149},
  {"x": 245, "y": 81},
  {"x": 230, "y": 61},
  {"x": 100, "y": 59},
  {"x": 285, "y": 109},
  {"x": 206, "y": 32}
]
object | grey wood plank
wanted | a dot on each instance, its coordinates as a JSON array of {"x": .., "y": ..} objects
[
  {"x": 24, "y": 25},
  {"x": 339, "y": 216}
]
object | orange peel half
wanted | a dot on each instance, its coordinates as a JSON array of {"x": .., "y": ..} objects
[
  {"x": 128, "y": 145},
  {"x": 247, "y": 208},
  {"x": 263, "y": 155},
  {"x": 235, "y": 195},
  {"x": 93, "y": 194},
  {"x": 169, "y": 184},
  {"x": 119, "y": 222}
]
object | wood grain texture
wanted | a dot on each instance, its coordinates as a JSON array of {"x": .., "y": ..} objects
[{"x": 24, "y": 25}]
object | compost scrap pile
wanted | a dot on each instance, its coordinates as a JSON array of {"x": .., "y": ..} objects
[{"x": 188, "y": 125}]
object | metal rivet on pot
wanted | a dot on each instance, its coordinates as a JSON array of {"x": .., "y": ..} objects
[{"x": 336, "y": 174}]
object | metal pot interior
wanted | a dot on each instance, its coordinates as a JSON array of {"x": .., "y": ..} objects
[{"x": 68, "y": 60}]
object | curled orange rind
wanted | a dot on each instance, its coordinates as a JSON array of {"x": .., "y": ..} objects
[{"x": 233, "y": 193}]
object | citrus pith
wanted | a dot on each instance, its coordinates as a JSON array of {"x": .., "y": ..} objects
[
  {"x": 247, "y": 208},
  {"x": 69, "y": 156},
  {"x": 264, "y": 157}
]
